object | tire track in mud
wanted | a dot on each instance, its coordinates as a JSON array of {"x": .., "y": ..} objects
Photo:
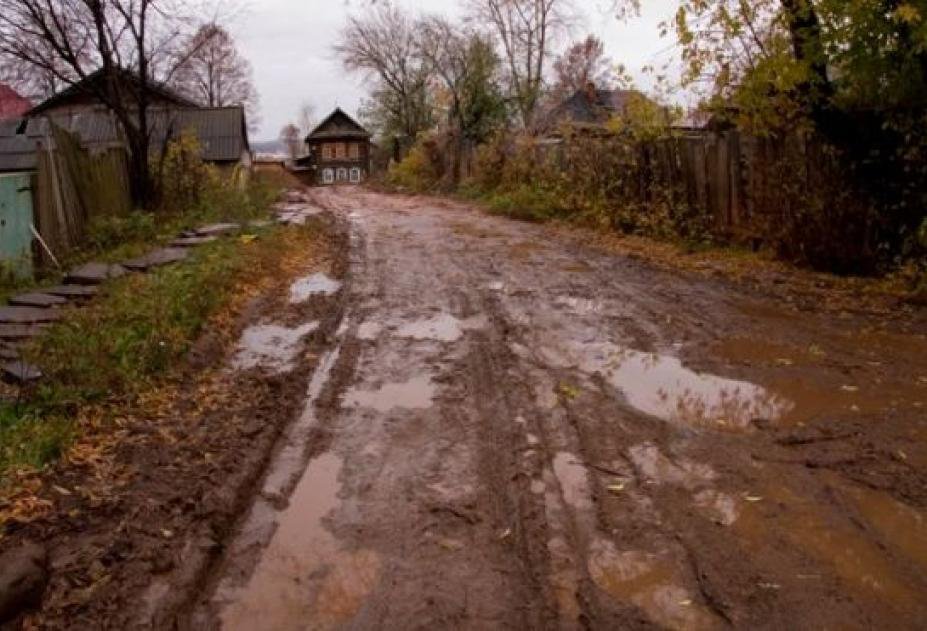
[{"x": 488, "y": 456}]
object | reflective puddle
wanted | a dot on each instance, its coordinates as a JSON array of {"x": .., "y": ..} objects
[
  {"x": 655, "y": 468},
  {"x": 661, "y": 386},
  {"x": 717, "y": 507},
  {"x": 416, "y": 394},
  {"x": 573, "y": 480},
  {"x": 271, "y": 346},
  {"x": 317, "y": 284},
  {"x": 287, "y": 463},
  {"x": 369, "y": 331},
  {"x": 304, "y": 579},
  {"x": 651, "y": 583},
  {"x": 441, "y": 328}
]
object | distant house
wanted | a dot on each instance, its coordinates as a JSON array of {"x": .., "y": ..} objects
[
  {"x": 12, "y": 105},
  {"x": 590, "y": 109},
  {"x": 222, "y": 132},
  {"x": 338, "y": 151},
  {"x": 82, "y": 95}
]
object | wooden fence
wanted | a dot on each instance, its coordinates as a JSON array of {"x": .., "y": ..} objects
[
  {"x": 73, "y": 186},
  {"x": 743, "y": 185}
]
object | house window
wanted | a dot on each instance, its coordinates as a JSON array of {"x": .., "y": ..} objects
[
  {"x": 328, "y": 151},
  {"x": 342, "y": 174},
  {"x": 340, "y": 151},
  {"x": 328, "y": 176},
  {"x": 355, "y": 175},
  {"x": 354, "y": 151}
]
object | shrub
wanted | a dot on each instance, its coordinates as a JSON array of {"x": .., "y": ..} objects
[{"x": 421, "y": 170}]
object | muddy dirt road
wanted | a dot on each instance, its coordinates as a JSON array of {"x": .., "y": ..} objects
[{"x": 511, "y": 430}]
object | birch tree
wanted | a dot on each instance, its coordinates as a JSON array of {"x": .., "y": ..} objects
[{"x": 526, "y": 31}]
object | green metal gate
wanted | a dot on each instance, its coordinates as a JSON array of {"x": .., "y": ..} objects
[{"x": 16, "y": 223}]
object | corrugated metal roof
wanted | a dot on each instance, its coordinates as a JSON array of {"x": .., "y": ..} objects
[
  {"x": 220, "y": 131},
  {"x": 17, "y": 153}
]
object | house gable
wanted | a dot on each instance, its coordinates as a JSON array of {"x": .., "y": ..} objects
[
  {"x": 338, "y": 125},
  {"x": 83, "y": 94}
]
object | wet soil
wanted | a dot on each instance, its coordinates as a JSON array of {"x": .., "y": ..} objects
[
  {"x": 138, "y": 513},
  {"x": 532, "y": 433},
  {"x": 498, "y": 425}
]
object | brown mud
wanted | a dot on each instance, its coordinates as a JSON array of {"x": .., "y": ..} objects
[
  {"x": 138, "y": 511},
  {"x": 504, "y": 427},
  {"x": 536, "y": 434}
]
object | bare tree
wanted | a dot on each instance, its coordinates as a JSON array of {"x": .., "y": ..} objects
[
  {"x": 466, "y": 65},
  {"x": 132, "y": 42},
  {"x": 526, "y": 30},
  {"x": 212, "y": 72},
  {"x": 584, "y": 62},
  {"x": 384, "y": 46},
  {"x": 306, "y": 118},
  {"x": 290, "y": 136}
]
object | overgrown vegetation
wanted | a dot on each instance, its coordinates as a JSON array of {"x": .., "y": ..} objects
[
  {"x": 143, "y": 325},
  {"x": 832, "y": 93}
]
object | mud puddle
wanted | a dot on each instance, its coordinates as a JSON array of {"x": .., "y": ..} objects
[
  {"x": 271, "y": 346},
  {"x": 415, "y": 394},
  {"x": 304, "y": 578},
  {"x": 652, "y": 583},
  {"x": 440, "y": 328},
  {"x": 288, "y": 462},
  {"x": 865, "y": 566},
  {"x": 661, "y": 386},
  {"x": 318, "y": 284}
]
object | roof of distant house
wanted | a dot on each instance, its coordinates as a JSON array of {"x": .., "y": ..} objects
[
  {"x": 338, "y": 125},
  {"x": 12, "y": 104},
  {"x": 85, "y": 87},
  {"x": 221, "y": 131},
  {"x": 591, "y": 107}
]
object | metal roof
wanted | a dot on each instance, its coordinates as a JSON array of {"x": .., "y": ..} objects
[
  {"x": 221, "y": 131},
  {"x": 17, "y": 153},
  {"x": 84, "y": 87}
]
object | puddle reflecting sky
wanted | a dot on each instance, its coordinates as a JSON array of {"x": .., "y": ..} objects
[
  {"x": 317, "y": 284},
  {"x": 417, "y": 393},
  {"x": 660, "y": 385},
  {"x": 271, "y": 346},
  {"x": 304, "y": 579},
  {"x": 441, "y": 328}
]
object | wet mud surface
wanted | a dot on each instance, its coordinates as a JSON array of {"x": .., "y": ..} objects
[
  {"x": 465, "y": 422},
  {"x": 513, "y": 430}
]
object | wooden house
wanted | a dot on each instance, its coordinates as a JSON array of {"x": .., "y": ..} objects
[{"x": 338, "y": 152}]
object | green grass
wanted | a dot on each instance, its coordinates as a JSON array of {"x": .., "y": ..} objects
[
  {"x": 118, "y": 238},
  {"x": 134, "y": 333},
  {"x": 114, "y": 348}
]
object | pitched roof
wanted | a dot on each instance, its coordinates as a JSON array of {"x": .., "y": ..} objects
[
  {"x": 81, "y": 88},
  {"x": 593, "y": 107},
  {"x": 338, "y": 125},
  {"x": 12, "y": 104},
  {"x": 221, "y": 131}
]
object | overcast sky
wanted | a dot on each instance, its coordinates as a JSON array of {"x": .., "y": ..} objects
[{"x": 289, "y": 43}]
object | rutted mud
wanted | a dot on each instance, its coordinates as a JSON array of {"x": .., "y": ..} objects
[
  {"x": 271, "y": 346},
  {"x": 304, "y": 579},
  {"x": 537, "y": 435}
]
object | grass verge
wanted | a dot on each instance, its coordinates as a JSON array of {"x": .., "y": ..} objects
[{"x": 129, "y": 340}]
